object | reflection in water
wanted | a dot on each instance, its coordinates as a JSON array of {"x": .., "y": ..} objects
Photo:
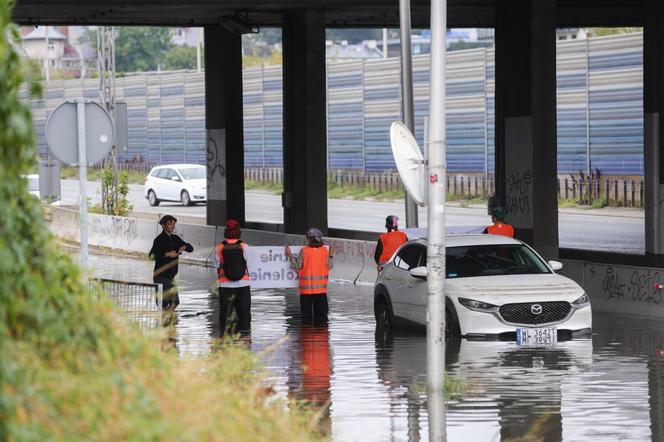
[
  {"x": 309, "y": 376},
  {"x": 374, "y": 387}
]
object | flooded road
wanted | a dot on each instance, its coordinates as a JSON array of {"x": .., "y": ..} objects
[{"x": 610, "y": 387}]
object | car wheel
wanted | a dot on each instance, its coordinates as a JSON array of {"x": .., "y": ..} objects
[
  {"x": 184, "y": 197},
  {"x": 152, "y": 198},
  {"x": 452, "y": 330},
  {"x": 383, "y": 317}
]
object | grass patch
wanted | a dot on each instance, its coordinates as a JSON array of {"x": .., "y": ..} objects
[
  {"x": 567, "y": 202},
  {"x": 336, "y": 191},
  {"x": 70, "y": 369},
  {"x": 71, "y": 173},
  {"x": 599, "y": 203},
  {"x": 454, "y": 387},
  {"x": 277, "y": 189}
]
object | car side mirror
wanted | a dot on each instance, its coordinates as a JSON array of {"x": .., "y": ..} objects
[
  {"x": 419, "y": 272},
  {"x": 555, "y": 265},
  {"x": 175, "y": 178}
]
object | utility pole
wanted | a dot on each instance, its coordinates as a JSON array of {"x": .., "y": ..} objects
[
  {"x": 385, "y": 50},
  {"x": 106, "y": 66},
  {"x": 436, "y": 222},
  {"x": 407, "y": 94},
  {"x": 48, "y": 58},
  {"x": 199, "y": 42}
]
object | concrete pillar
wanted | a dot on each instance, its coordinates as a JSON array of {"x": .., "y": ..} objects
[
  {"x": 526, "y": 141},
  {"x": 305, "y": 131},
  {"x": 653, "y": 104},
  {"x": 223, "y": 126}
]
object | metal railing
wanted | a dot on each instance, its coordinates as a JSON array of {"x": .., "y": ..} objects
[
  {"x": 136, "y": 301},
  {"x": 614, "y": 191}
]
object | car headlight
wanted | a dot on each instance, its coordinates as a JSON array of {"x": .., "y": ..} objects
[
  {"x": 478, "y": 306},
  {"x": 581, "y": 301}
]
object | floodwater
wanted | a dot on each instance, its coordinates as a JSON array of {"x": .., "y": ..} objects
[{"x": 610, "y": 387}]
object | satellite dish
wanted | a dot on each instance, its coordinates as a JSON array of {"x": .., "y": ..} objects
[{"x": 409, "y": 160}]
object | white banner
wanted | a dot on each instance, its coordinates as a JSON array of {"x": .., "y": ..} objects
[{"x": 269, "y": 267}]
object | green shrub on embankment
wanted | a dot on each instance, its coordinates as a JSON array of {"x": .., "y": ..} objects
[{"x": 68, "y": 371}]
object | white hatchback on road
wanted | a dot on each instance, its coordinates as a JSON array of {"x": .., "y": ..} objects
[
  {"x": 495, "y": 287},
  {"x": 185, "y": 183}
]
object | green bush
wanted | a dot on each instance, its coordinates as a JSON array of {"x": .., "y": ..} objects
[
  {"x": 68, "y": 370},
  {"x": 598, "y": 203}
]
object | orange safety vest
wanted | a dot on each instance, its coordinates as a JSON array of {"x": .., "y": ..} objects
[
  {"x": 315, "y": 272},
  {"x": 391, "y": 242},
  {"x": 501, "y": 229},
  {"x": 220, "y": 270}
]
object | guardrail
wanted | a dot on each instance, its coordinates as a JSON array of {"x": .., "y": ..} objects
[{"x": 139, "y": 302}]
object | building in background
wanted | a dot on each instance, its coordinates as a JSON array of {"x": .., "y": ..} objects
[{"x": 67, "y": 55}]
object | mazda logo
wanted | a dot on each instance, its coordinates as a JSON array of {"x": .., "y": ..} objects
[{"x": 536, "y": 309}]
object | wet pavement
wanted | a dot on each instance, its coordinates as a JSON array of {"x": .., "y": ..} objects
[{"x": 373, "y": 388}]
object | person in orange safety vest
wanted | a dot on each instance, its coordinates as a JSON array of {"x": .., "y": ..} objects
[
  {"x": 313, "y": 265},
  {"x": 499, "y": 226},
  {"x": 389, "y": 242},
  {"x": 233, "y": 281}
]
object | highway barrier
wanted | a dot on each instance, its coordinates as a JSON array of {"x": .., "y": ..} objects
[{"x": 618, "y": 289}]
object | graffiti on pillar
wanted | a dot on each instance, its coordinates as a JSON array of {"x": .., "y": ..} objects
[
  {"x": 518, "y": 192},
  {"x": 216, "y": 163}
]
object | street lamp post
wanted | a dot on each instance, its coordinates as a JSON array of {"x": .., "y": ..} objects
[{"x": 436, "y": 223}]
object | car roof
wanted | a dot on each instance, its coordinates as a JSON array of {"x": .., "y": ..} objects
[
  {"x": 472, "y": 240},
  {"x": 177, "y": 166}
]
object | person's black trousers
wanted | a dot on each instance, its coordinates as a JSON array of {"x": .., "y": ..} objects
[
  {"x": 234, "y": 309},
  {"x": 314, "y": 309},
  {"x": 171, "y": 297}
]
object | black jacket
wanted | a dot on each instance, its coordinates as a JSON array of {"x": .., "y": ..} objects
[{"x": 166, "y": 268}]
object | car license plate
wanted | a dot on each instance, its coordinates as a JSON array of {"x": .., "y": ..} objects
[{"x": 536, "y": 337}]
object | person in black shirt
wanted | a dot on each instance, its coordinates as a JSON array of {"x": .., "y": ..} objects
[{"x": 166, "y": 249}]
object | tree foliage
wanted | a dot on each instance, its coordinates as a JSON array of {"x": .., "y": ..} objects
[
  {"x": 180, "y": 57},
  {"x": 141, "y": 48},
  {"x": 353, "y": 35},
  {"x": 71, "y": 369}
]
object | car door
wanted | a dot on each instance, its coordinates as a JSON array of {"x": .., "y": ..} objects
[
  {"x": 415, "y": 291},
  {"x": 170, "y": 185},
  {"x": 403, "y": 302},
  {"x": 159, "y": 184}
]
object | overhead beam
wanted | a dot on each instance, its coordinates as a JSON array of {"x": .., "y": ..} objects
[{"x": 339, "y": 13}]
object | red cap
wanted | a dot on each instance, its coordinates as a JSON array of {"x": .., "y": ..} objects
[{"x": 231, "y": 224}]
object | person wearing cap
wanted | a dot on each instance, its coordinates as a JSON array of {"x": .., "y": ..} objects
[
  {"x": 233, "y": 281},
  {"x": 390, "y": 241},
  {"x": 166, "y": 249},
  {"x": 313, "y": 265},
  {"x": 499, "y": 226}
]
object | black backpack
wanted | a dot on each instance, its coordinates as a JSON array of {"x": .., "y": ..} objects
[{"x": 234, "y": 265}]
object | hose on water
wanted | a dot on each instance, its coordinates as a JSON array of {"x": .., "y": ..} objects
[{"x": 360, "y": 272}]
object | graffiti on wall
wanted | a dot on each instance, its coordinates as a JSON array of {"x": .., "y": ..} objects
[{"x": 635, "y": 285}]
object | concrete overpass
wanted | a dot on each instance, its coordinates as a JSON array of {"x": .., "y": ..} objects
[{"x": 525, "y": 94}]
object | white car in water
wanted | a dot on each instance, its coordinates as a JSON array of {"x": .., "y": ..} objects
[
  {"x": 496, "y": 287},
  {"x": 186, "y": 183}
]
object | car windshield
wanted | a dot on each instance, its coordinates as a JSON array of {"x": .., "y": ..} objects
[
  {"x": 192, "y": 173},
  {"x": 493, "y": 259}
]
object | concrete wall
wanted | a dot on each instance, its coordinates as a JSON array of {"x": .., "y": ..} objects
[
  {"x": 353, "y": 259},
  {"x": 617, "y": 289}
]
